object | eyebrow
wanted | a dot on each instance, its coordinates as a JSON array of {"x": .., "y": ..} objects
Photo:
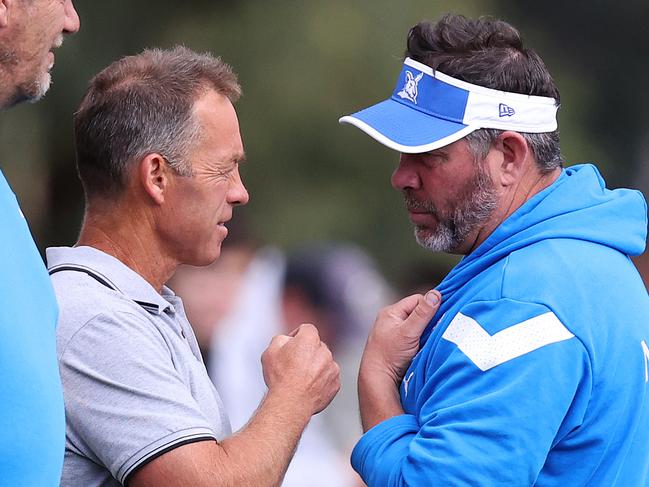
[
  {"x": 234, "y": 160},
  {"x": 437, "y": 152}
]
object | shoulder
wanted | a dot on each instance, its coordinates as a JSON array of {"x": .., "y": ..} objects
[
  {"x": 82, "y": 295},
  {"x": 563, "y": 257},
  {"x": 92, "y": 315},
  {"x": 582, "y": 282}
]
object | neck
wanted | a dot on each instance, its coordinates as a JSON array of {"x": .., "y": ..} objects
[
  {"x": 530, "y": 184},
  {"x": 129, "y": 237}
]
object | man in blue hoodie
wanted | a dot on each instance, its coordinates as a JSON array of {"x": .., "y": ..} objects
[
  {"x": 32, "y": 423},
  {"x": 534, "y": 370}
]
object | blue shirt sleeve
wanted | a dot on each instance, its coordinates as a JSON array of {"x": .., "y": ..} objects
[{"x": 504, "y": 384}]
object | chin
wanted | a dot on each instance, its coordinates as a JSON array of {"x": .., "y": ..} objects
[
  {"x": 440, "y": 240},
  {"x": 206, "y": 259},
  {"x": 39, "y": 87}
]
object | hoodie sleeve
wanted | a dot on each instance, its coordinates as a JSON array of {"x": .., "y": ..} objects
[{"x": 504, "y": 384}]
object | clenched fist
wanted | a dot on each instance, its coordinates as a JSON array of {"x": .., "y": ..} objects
[{"x": 301, "y": 367}]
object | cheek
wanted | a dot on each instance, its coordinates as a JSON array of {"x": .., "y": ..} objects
[
  {"x": 436, "y": 187},
  {"x": 443, "y": 194},
  {"x": 209, "y": 208},
  {"x": 220, "y": 193}
]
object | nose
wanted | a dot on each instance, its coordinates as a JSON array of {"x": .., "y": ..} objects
[
  {"x": 238, "y": 194},
  {"x": 405, "y": 176},
  {"x": 72, "y": 23}
]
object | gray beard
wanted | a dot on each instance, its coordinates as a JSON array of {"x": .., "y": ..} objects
[
  {"x": 473, "y": 208},
  {"x": 31, "y": 90}
]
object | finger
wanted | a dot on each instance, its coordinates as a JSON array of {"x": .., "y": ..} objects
[
  {"x": 306, "y": 330},
  {"x": 279, "y": 341},
  {"x": 402, "y": 309},
  {"x": 423, "y": 312},
  {"x": 326, "y": 350},
  {"x": 337, "y": 373}
]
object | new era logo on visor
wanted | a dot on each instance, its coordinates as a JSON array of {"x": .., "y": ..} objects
[{"x": 505, "y": 111}]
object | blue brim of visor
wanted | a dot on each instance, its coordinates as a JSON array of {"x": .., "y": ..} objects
[
  {"x": 423, "y": 114},
  {"x": 405, "y": 129}
]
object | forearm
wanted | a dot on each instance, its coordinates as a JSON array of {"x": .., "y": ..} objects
[
  {"x": 378, "y": 397},
  {"x": 259, "y": 453}
]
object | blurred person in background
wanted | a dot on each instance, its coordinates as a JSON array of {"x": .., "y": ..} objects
[
  {"x": 337, "y": 287},
  {"x": 158, "y": 153},
  {"x": 32, "y": 424},
  {"x": 534, "y": 371},
  {"x": 421, "y": 276}
]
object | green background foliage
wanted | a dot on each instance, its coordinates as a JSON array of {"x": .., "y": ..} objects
[{"x": 302, "y": 66}]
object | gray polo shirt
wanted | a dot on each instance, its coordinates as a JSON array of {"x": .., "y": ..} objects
[{"x": 134, "y": 383}]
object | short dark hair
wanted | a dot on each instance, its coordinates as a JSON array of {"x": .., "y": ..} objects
[
  {"x": 490, "y": 53},
  {"x": 142, "y": 104}
]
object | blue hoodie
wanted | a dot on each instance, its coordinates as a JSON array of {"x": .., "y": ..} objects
[
  {"x": 32, "y": 423},
  {"x": 534, "y": 369}
]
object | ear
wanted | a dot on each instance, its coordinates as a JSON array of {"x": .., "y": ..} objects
[
  {"x": 5, "y": 7},
  {"x": 154, "y": 177},
  {"x": 515, "y": 153}
]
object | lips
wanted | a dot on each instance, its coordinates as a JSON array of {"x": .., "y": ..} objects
[
  {"x": 416, "y": 209},
  {"x": 420, "y": 218},
  {"x": 224, "y": 221},
  {"x": 55, "y": 45}
]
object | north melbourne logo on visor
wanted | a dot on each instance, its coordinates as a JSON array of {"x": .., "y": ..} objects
[
  {"x": 409, "y": 90},
  {"x": 505, "y": 111}
]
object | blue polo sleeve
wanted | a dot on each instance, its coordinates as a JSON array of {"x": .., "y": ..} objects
[{"x": 503, "y": 384}]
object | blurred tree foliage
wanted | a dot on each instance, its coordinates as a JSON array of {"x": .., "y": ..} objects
[
  {"x": 598, "y": 50},
  {"x": 303, "y": 65}
]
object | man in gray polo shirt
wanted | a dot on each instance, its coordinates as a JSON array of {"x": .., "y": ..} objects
[{"x": 158, "y": 153}]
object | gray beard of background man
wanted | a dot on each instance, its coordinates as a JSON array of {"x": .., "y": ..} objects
[
  {"x": 473, "y": 208},
  {"x": 31, "y": 90}
]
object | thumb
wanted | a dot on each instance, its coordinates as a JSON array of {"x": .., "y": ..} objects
[{"x": 423, "y": 312}]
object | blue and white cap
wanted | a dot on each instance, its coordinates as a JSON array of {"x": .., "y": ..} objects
[{"x": 429, "y": 110}]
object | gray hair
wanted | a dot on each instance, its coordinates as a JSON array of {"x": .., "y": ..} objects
[
  {"x": 140, "y": 105},
  {"x": 490, "y": 53},
  {"x": 544, "y": 147}
]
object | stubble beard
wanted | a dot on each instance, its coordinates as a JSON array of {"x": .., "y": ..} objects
[
  {"x": 475, "y": 204},
  {"x": 35, "y": 85},
  {"x": 38, "y": 88}
]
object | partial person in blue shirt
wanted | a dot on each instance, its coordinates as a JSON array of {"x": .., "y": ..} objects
[
  {"x": 32, "y": 423},
  {"x": 535, "y": 368}
]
